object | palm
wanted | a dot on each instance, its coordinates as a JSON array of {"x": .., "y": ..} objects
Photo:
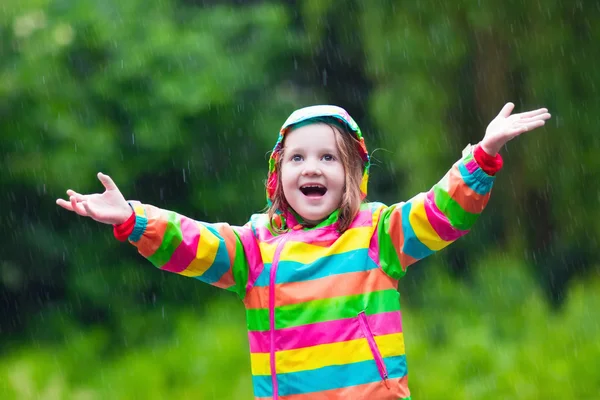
[
  {"x": 506, "y": 126},
  {"x": 109, "y": 207}
]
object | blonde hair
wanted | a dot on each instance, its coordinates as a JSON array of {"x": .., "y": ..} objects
[{"x": 348, "y": 148}]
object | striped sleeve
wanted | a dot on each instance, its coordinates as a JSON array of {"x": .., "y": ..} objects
[
  {"x": 212, "y": 253},
  {"x": 412, "y": 230}
]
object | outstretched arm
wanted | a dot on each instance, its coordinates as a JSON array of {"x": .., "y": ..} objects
[
  {"x": 412, "y": 230},
  {"x": 213, "y": 253}
]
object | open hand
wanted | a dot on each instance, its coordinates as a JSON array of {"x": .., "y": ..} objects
[
  {"x": 109, "y": 207},
  {"x": 506, "y": 127}
]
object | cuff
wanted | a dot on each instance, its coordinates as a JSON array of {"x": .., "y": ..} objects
[
  {"x": 489, "y": 164},
  {"x": 122, "y": 231}
]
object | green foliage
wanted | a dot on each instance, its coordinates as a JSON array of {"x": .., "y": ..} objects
[
  {"x": 180, "y": 103},
  {"x": 493, "y": 338}
]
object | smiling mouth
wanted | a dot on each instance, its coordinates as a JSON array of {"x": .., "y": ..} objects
[{"x": 313, "y": 190}]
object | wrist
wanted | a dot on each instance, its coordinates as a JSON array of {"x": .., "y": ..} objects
[
  {"x": 490, "y": 164},
  {"x": 489, "y": 149},
  {"x": 122, "y": 230}
]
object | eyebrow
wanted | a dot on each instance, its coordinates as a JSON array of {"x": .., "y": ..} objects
[{"x": 300, "y": 150}]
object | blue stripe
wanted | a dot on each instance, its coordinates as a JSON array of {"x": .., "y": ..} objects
[
  {"x": 479, "y": 181},
  {"x": 412, "y": 245},
  {"x": 263, "y": 278},
  {"x": 221, "y": 262},
  {"x": 335, "y": 264},
  {"x": 262, "y": 385},
  {"x": 139, "y": 228},
  {"x": 338, "y": 376}
]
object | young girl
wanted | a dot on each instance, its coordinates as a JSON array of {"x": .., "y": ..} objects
[{"x": 318, "y": 272}]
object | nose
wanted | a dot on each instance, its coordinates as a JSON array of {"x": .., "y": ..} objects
[{"x": 311, "y": 168}]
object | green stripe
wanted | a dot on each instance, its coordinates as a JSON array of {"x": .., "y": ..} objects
[
  {"x": 171, "y": 240},
  {"x": 239, "y": 269},
  {"x": 458, "y": 217},
  {"x": 257, "y": 319},
  {"x": 323, "y": 310},
  {"x": 388, "y": 257}
]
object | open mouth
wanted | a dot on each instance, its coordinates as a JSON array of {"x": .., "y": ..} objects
[{"x": 313, "y": 190}]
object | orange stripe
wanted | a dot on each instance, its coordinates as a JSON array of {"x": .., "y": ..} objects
[
  {"x": 324, "y": 243},
  {"x": 397, "y": 236},
  {"x": 157, "y": 224},
  {"x": 300, "y": 292},
  {"x": 460, "y": 192},
  {"x": 391, "y": 389},
  {"x": 230, "y": 241}
]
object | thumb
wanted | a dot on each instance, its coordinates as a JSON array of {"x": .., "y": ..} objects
[
  {"x": 107, "y": 182},
  {"x": 506, "y": 110}
]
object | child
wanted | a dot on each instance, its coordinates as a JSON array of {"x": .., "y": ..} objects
[{"x": 318, "y": 272}]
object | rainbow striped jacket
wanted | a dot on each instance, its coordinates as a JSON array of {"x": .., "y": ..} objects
[{"x": 322, "y": 307}]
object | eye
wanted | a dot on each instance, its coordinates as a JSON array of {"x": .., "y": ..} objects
[
  {"x": 296, "y": 158},
  {"x": 328, "y": 157}
]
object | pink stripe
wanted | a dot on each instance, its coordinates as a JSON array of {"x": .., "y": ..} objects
[
  {"x": 264, "y": 234},
  {"x": 325, "y": 332},
  {"x": 472, "y": 166},
  {"x": 186, "y": 251},
  {"x": 439, "y": 221},
  {"x": 363, "y": 218}
]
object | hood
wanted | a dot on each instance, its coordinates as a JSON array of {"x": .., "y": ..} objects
[{"x": 303, "y": 115}]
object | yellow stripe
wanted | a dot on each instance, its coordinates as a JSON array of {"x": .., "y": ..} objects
[
  {"x": 138, "y": 209},
  {"x": 390, "y": 345},
  {"x": 205, "y": 253},
  {"x": 260, "y": 364},
  {"x": 423, "y": 229},
  {"x": 307, "y": 253},
  {"x": 325, "y": 355},
  {"x": 267, "y": 251},
  {"x": 375, "y": 217}
]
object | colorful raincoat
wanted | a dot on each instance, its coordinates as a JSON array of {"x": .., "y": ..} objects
[{"x": 322, "y": 308}]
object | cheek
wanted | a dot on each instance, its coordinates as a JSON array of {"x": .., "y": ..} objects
[
  {"x": 287, "y": 179},
  {"x": 340, "y": 176}
]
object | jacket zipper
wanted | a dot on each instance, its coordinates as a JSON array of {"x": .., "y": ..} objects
[
  {"x": 272, "y": 276},
  {"x": 364, "y": 325}
]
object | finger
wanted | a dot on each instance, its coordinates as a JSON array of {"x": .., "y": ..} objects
[
  {"x": 107, "y": 181},
  {"x": 78, "y": 197},
  {"x": 64, "y": 204},
  {"x": 542, "y": 117},
  {"x": 506, "y": 110},
  {"x": 71, "y": 192},
  {"x": 88, "y": 210},
  {"x": 533, "y": 113},
  {"x": 77, "y": 207},
  {"x": 527, "y": 127}
]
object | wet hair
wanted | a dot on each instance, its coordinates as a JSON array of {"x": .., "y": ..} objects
[{"x": 348, "y": 148}]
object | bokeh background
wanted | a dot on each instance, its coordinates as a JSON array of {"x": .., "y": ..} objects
[{"x": 181, "y": 100}]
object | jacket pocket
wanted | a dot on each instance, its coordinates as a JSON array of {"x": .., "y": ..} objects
[{"x": 364, "y": 326}]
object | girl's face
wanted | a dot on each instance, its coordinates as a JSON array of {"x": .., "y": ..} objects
[{"x": 312, "y": 175}]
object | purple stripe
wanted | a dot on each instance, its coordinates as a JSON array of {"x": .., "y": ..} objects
[
  {"x": 325, "y": 332},
  {"x": 472, "y": 166},
  {"x": 439, "y": 221},
  {"x": 186, "y": 251}
]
